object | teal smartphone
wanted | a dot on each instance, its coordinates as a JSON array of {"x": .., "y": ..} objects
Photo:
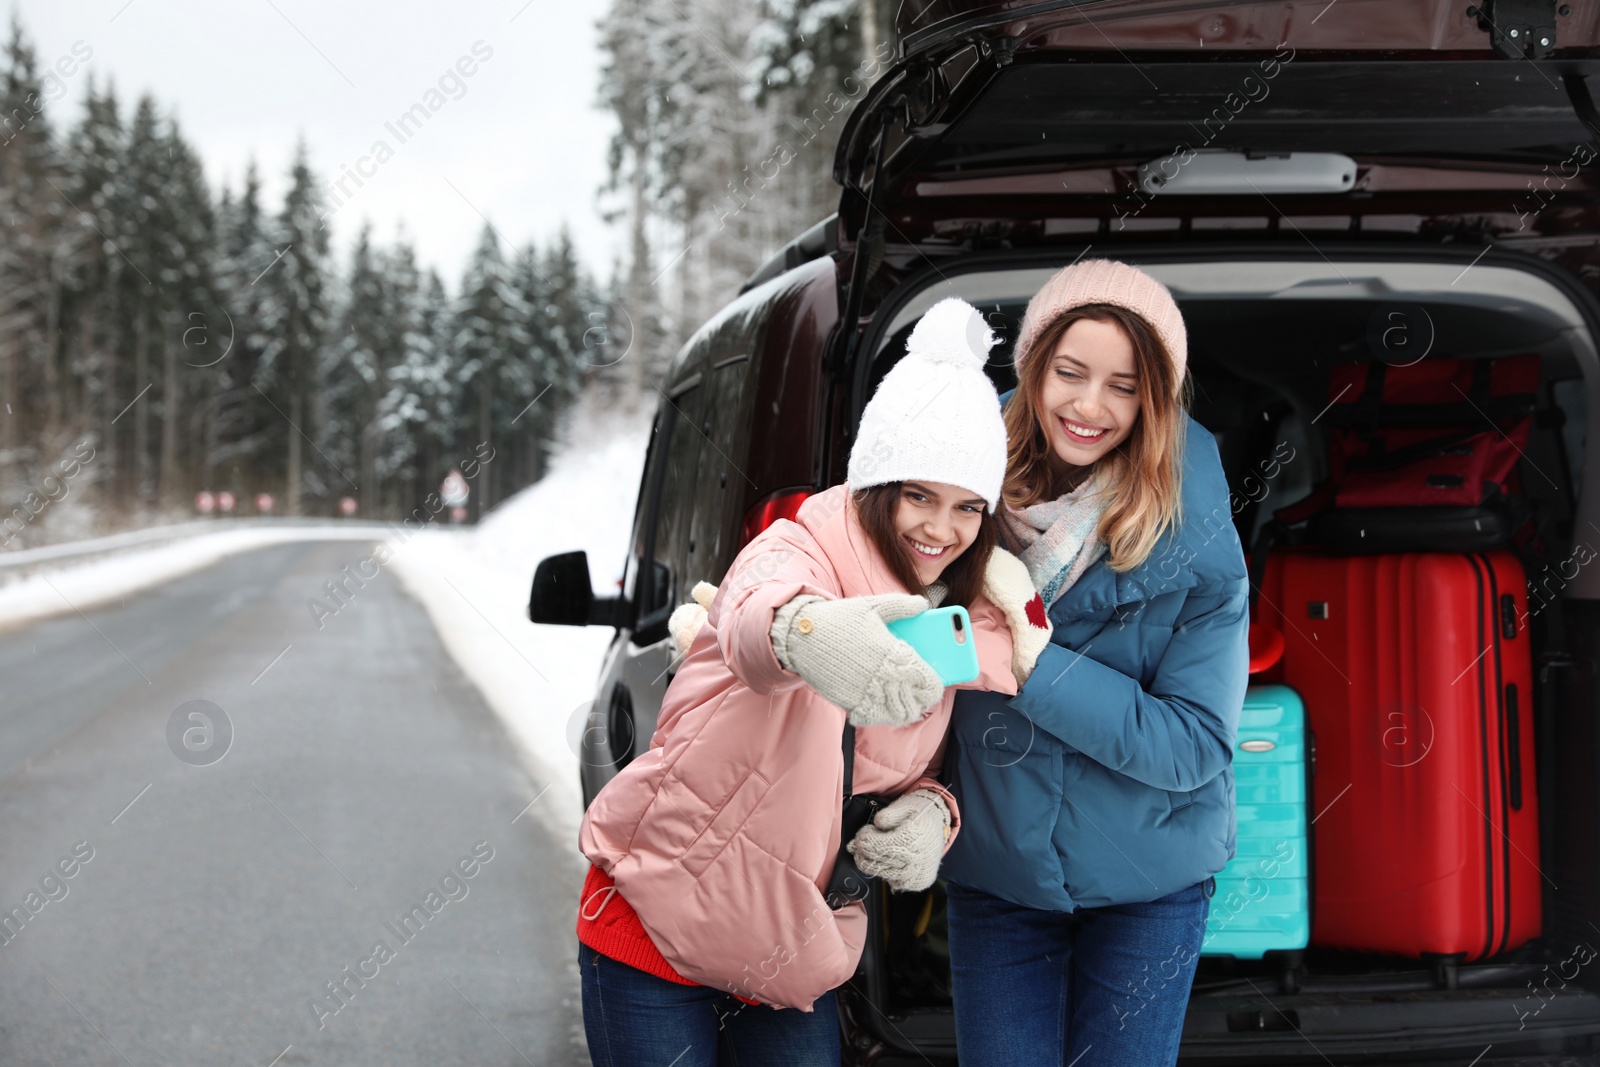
[{"x": 943, "y": 637}]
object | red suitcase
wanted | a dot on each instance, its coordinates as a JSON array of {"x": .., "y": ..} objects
[{"x": 1417, "y": 678}]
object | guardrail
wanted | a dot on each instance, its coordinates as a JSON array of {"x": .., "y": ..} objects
[{"x": 26, "y": 561}]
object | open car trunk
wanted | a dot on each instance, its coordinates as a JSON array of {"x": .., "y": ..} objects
[
  {"x": 1318, "y": 184},
  {"x": 1266, "y": 326}
]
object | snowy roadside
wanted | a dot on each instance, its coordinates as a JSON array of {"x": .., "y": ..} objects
[{"x": 475, "y": 585}]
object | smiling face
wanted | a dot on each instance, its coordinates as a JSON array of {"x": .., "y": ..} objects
[
  {"x": 938, "y": 522},
  {"x": 1089, "y": 400}
]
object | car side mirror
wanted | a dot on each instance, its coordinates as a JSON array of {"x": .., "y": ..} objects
[{"x": 562, "y": 595}]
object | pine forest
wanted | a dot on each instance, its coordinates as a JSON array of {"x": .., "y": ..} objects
[{"x": 163, "y": 339}]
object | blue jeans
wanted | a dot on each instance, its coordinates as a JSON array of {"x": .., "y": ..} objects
[
  {"x": 634, "y": 1019},
  {"x": 1100, "y": 986}
]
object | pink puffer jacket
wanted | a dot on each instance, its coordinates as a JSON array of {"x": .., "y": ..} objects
[{"x": 723, "y": 834}]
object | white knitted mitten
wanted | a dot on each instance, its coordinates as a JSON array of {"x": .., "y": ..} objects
[
  {"x": 686, "y": 619},
  {"x": 845, "y": 652},
  {"x": 904, "y": 842},
  {"x": 1007, "y": 585}
]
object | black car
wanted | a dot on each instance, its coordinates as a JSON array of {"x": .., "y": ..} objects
[{"x": 1317, "y": 184}]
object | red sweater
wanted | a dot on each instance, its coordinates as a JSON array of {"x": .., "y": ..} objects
[{"x": 608, "y": 925}]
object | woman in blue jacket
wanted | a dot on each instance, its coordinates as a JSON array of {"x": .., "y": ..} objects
[{"x": 1098, "y": 802}]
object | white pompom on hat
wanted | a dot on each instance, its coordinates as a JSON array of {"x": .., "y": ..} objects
[{"x": 935, "y": 416}]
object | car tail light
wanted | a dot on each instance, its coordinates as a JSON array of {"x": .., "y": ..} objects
[{"x": 784, "y": 504}]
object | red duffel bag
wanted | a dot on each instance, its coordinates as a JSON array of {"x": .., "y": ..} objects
[
  {"x": 1423, "y": 456},
  {"x": 1437, "y": 433}
]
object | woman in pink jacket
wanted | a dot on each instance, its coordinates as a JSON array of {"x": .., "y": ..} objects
[{"x": 704, "y": 910}]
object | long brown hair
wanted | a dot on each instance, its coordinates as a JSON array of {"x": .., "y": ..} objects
[
  {"x": 1144, "y": 469},
  {"x": 877, "y": 506}
]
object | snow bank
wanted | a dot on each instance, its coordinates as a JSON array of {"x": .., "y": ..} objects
[{"x": 475, "y": 586}]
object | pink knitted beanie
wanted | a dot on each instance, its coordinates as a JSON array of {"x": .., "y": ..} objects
[{"x": 1106, "y": 281}]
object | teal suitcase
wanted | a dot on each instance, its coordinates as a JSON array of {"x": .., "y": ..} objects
[{"x": 1262, "y": 900}]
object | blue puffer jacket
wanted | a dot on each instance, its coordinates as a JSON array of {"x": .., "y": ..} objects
[{"x": 1109, "y": 778}]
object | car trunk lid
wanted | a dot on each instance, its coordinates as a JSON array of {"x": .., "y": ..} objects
[{"x": 1024, "y": 96}]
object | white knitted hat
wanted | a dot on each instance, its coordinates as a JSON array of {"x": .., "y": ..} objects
[{"x": 935, "y": 416}]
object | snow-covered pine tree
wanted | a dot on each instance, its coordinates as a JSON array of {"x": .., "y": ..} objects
[
  {"x": 573, "y": 309},
  {"x": 646, "y": 50},
  {"x": 491, "y": 342},
  {"x": 535, "y": 430},
  {"x": 30, "y": 269},
  {"x": 807, "y": 53},
  {"x": 728, "y": 114},
  {"x": 93, "y": 158},
  {"x": 607, "y": 361},
  {"x": 295, "y": 322},
  {"x": 188, "y": 288},
  {"x": 439, "y": 362},
  {"x": 364, "y": 345},
  {"x": 417, "y": 414},
  {"x": 146, "y": 220},
  {"x": 244, "y": 429},
  {"x": 713, "y": 156},
  {"x": 216, "y": 345}
]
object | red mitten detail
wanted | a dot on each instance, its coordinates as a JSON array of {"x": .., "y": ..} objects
[{"x": 1008, "y": 586}]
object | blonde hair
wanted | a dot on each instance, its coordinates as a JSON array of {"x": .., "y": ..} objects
[{"x": 1144, "y": 471}]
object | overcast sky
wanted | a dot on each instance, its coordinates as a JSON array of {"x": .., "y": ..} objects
[{"x": 518, "y": 140}]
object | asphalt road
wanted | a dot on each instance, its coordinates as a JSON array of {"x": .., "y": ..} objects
[{"x": 211, "y": 908}]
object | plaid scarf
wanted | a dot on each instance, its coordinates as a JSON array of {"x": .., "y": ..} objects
[{"x": 1056, "y": 538}]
